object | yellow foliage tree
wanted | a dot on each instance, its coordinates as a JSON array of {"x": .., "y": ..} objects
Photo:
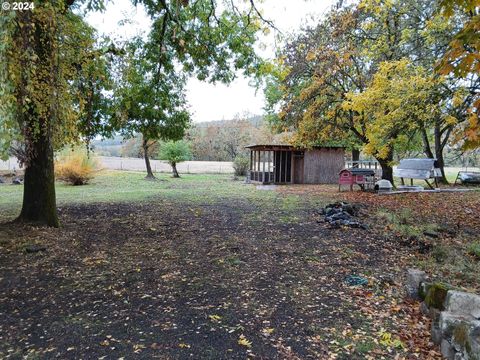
[
  {"x": 463, "y": 60},
  {"x": 397, "y": 104}
]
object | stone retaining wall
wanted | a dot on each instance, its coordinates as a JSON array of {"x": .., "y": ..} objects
[{"x": 455, "y": 316}]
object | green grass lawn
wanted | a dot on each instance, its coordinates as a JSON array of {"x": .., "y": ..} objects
[
  {"x": 130, "y": 186},
  {"x": 121, "y": 186},
  {"x": 126, "y": 186}
]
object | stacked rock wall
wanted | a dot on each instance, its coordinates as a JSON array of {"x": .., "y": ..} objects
[{"x": 455, "y": 316}]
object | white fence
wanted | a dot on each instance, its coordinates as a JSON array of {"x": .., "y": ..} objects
[{"x": 365, "y": 164}]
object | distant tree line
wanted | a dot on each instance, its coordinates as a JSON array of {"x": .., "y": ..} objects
[
  {"x": 224, "y": 141},
  {"x": 209, "y": 141}
]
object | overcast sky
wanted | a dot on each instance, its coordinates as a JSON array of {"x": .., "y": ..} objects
[{"x": 214, "y": 102}]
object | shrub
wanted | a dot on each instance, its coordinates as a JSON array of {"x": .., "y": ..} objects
[
  {"x": 240, "y": 165},
  {"x": 175, "y": 152},
  {"x": 75, "y": 167},
  {"x": 440, "y": 253}
]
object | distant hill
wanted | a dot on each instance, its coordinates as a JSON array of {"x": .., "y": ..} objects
[
  {"x": 114, "y": 146},
  {"x": 117, "y": 140},
  {"x": 108, "y": 147},
  {"x": 256, "y": 120}
]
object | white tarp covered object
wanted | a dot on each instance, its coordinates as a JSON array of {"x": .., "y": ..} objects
[
  {"x": 468, "y": 177},
  {"x": 417, "y": 169}
]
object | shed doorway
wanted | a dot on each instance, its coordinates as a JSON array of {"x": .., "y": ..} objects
[
  {"x": 283, "y": 166},
  {"x": 298, "y": 162}
]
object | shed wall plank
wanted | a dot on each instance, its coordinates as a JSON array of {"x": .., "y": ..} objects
[{"x": 322, "y": 166}]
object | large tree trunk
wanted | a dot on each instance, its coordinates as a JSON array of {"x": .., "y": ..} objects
[
  {"x": 439, "y": 146},
  {"x": 147, "y": 160},
  {"x": 174, "y": 170},
  {"x": 39, "y": 202},
  {"x": 355, "y": 156},
  {"x": 441, "y": 166},
  {"x": 426, "y": 144},
  {"x": 387, "y": 169}
]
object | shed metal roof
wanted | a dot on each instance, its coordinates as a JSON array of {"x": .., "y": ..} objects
[{"x": 288, "y": 147}]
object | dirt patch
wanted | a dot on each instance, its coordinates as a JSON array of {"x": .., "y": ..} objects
[{"x": 220, "y": 281}]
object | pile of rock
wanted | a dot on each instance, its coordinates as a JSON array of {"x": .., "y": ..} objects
[
  {"x": 11, "y": 178},
  {"x": 457, "y": 328},
  {"x": 342, "y": 214},
  {"x": 17, "y": 181},
  {"x": 455, "y": 315}
]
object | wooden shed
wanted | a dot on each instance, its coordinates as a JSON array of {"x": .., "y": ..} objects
[{"x": 286, "y": 164}]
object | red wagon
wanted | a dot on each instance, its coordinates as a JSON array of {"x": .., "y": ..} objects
[{"x": 364, "y": 178}]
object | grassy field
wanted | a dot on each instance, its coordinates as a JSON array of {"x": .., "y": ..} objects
[
  {"x": 125, "y": 186},
  {"x": 206, "y": 266}
]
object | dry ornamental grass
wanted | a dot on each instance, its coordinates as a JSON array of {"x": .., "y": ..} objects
[{"x": 76, "y": 167}]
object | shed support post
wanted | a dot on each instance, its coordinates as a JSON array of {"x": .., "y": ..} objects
[
  {"x": 281, "y": 166},
  {"x": 252, "y": 166},
  {"x": 255, "y": 166},
  {"x": 251, "y": 160},
  {"x": 263, "y": 172},
  {"x": 258, "y": 164},
  {"x": 269, "y": 164},
  {"x": 274, "y": 166}
]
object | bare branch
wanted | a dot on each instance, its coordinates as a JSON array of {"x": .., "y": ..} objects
[{"x": 259, "y": 14}]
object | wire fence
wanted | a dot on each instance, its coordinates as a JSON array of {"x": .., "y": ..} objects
[
  {"x": 160, "y": 166},
  {"x": 189, "y": 167}
]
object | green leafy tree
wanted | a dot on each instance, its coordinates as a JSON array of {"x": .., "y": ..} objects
[
  {"x": 148, "y": 103},
  {"x": 393, "y": 107},
  {"x": 44, "y": 50},
  {"x": 51, "y": 79},
  {"x": 175, "y": 152},
  {"x": 241, "y": 165}
]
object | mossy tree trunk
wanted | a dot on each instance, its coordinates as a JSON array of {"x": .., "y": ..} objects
[
  {"x": 36, "y": 119},
  {"x": 39, "y": 201}
]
